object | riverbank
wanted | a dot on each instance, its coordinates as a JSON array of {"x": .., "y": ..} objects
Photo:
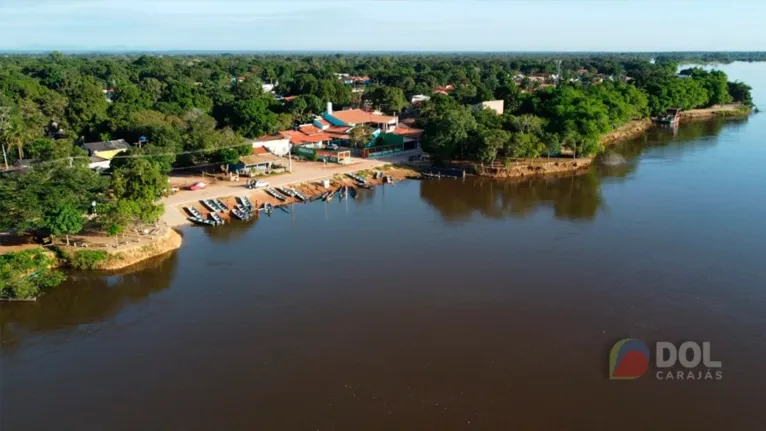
[
  {"x": 308, "y": 189},
  {"x": 525, "y": 168},
  {"x": 124, "y": 251}
]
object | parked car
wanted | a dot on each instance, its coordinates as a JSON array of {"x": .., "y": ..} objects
[
  {"x": 332, "y": 146},
  {"x": 197, "y": 186},
  {"x": 257, "y": 184}
]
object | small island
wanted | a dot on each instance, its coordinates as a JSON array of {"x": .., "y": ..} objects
[{"x": 93, "y": 145}]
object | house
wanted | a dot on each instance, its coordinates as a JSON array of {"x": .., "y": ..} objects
[
  {"x": 408, "y": 133},
  {"x": 444, "y": 90},
  {"x": 496, "y": 105},
  {"x": 254, "y": 164},
  {"x": 307, "y": 135},
  {"x": 419, "y": 98},
  {"x": 268, "y": 88},
  {"x": 99, "y": 163},
  {"x": 276, "y": 144},
  {"x": 354, "y": 117},
  {"x": 106, "y": 150},
  {"x": 352, "y": 79}
]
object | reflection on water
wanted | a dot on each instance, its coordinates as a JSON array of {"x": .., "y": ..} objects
[
  {"x": 85, "y": 299},
  {"x": 576, "y": 197},
  {"x": 684, "y": 138},
  {"x": 232, "y": 231}
]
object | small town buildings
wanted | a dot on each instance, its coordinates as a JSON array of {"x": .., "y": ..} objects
[
  {"x": 354, "y": 117},
  {"x": 107, "y": 149},
  {"x": 307, "y": 135},
  {"x": 276, "y": 144},
  {"x": 269, "y": 88},
  {"x": 496, "y": 105},
  {"x": 99, "y": 163},
  {"x": 254, "y": 164},
  {"x": 353, "y": 79},
  {"x": 444, "y": 90}
]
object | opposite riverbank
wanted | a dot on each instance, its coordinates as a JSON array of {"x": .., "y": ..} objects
[{"x": 525, "y": 168}]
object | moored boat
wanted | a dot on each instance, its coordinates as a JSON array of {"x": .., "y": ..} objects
[
  {"x": 201, "y": 221},
  {"x": 276, "y": 194},
  {"x": 207, "y": 203},
  {"x": 216, "y": 218},
  {"x": 246, "y": 203},
  {"x": 193, "y": 212}
]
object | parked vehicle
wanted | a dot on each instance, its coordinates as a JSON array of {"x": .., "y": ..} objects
[
  {"x": 257, "y": 184},
  {"x": 197, "y": 186},
  {"x": 332, "y": 146}
]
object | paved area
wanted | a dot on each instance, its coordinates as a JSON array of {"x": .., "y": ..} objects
[{"x": 302, "y": 172}]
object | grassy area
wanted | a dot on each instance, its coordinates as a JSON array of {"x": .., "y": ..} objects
[
  {"x": 25, "y": 274},
  {"x": 741, "y": 111},
  {"x": 86, "y": 259}
]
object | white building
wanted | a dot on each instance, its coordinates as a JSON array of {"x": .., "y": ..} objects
[
  {"x": 268, "y": 88},
  {"x": 278, "y": 145},
  {"x": 496, "y": 105},
  {"x": 419, "y": 98}
]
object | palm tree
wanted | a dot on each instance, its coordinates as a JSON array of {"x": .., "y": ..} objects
[{"x": 13, "y": 134}]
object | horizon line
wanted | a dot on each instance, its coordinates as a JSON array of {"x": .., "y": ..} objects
[{"x": 353, "y": 51}]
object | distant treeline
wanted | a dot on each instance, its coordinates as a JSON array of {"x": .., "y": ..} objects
[{"x": 197, "y": 109}]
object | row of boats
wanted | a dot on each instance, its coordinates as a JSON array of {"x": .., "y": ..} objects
[
  {"x": 341, "y": 193},
  {"x": 243, "y": 210},
  {"x": 282, "y": 193}
]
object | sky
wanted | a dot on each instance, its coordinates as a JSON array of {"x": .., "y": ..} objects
[{"x": 384, "y": 25}]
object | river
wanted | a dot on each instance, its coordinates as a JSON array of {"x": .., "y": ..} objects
[{"x": 436, "y": 305}]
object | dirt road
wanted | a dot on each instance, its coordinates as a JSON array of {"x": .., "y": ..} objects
[{"x": 302, "y": 172}]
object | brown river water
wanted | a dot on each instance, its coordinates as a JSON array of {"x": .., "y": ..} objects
[{"x": 436, "y": 305}]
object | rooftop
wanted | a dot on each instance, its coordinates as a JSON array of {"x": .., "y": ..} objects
[
  {"x": 407, "y": 131},
  {"x": 298, "y": 137},
  {"x": 257, "y": 159},
  {"x": 119, "y": 144},
  {"x": 358, "y": 116},
  {"x": 267, "y": 138}
]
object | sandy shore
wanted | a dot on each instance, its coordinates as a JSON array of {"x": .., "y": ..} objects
[{"x": 308, "y": 189}]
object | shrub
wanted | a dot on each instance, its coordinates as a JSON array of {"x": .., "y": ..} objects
[
  {"x": 86, "y": 259},
  {"x": 24, "y": 274}
]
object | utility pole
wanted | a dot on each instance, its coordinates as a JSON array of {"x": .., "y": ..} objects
[{"x": 5, "y": 113}]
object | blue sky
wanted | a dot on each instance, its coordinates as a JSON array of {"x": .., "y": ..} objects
[{"x": 369, "y": 25}]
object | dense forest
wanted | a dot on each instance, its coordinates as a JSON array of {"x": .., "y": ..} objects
[{"x": 195, "y": 110}]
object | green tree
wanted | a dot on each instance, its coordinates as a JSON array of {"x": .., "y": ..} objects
[
  {"x": 491, "y": 141},
  {"x": 142, "y": 182},
  {"x": 447, "y": 138},
  {"x": 360, "y": 135},
  {"x": 64, "y": 220},
  {"x": 390, "y": 99},
  {"x": 253, "y": 118}
]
